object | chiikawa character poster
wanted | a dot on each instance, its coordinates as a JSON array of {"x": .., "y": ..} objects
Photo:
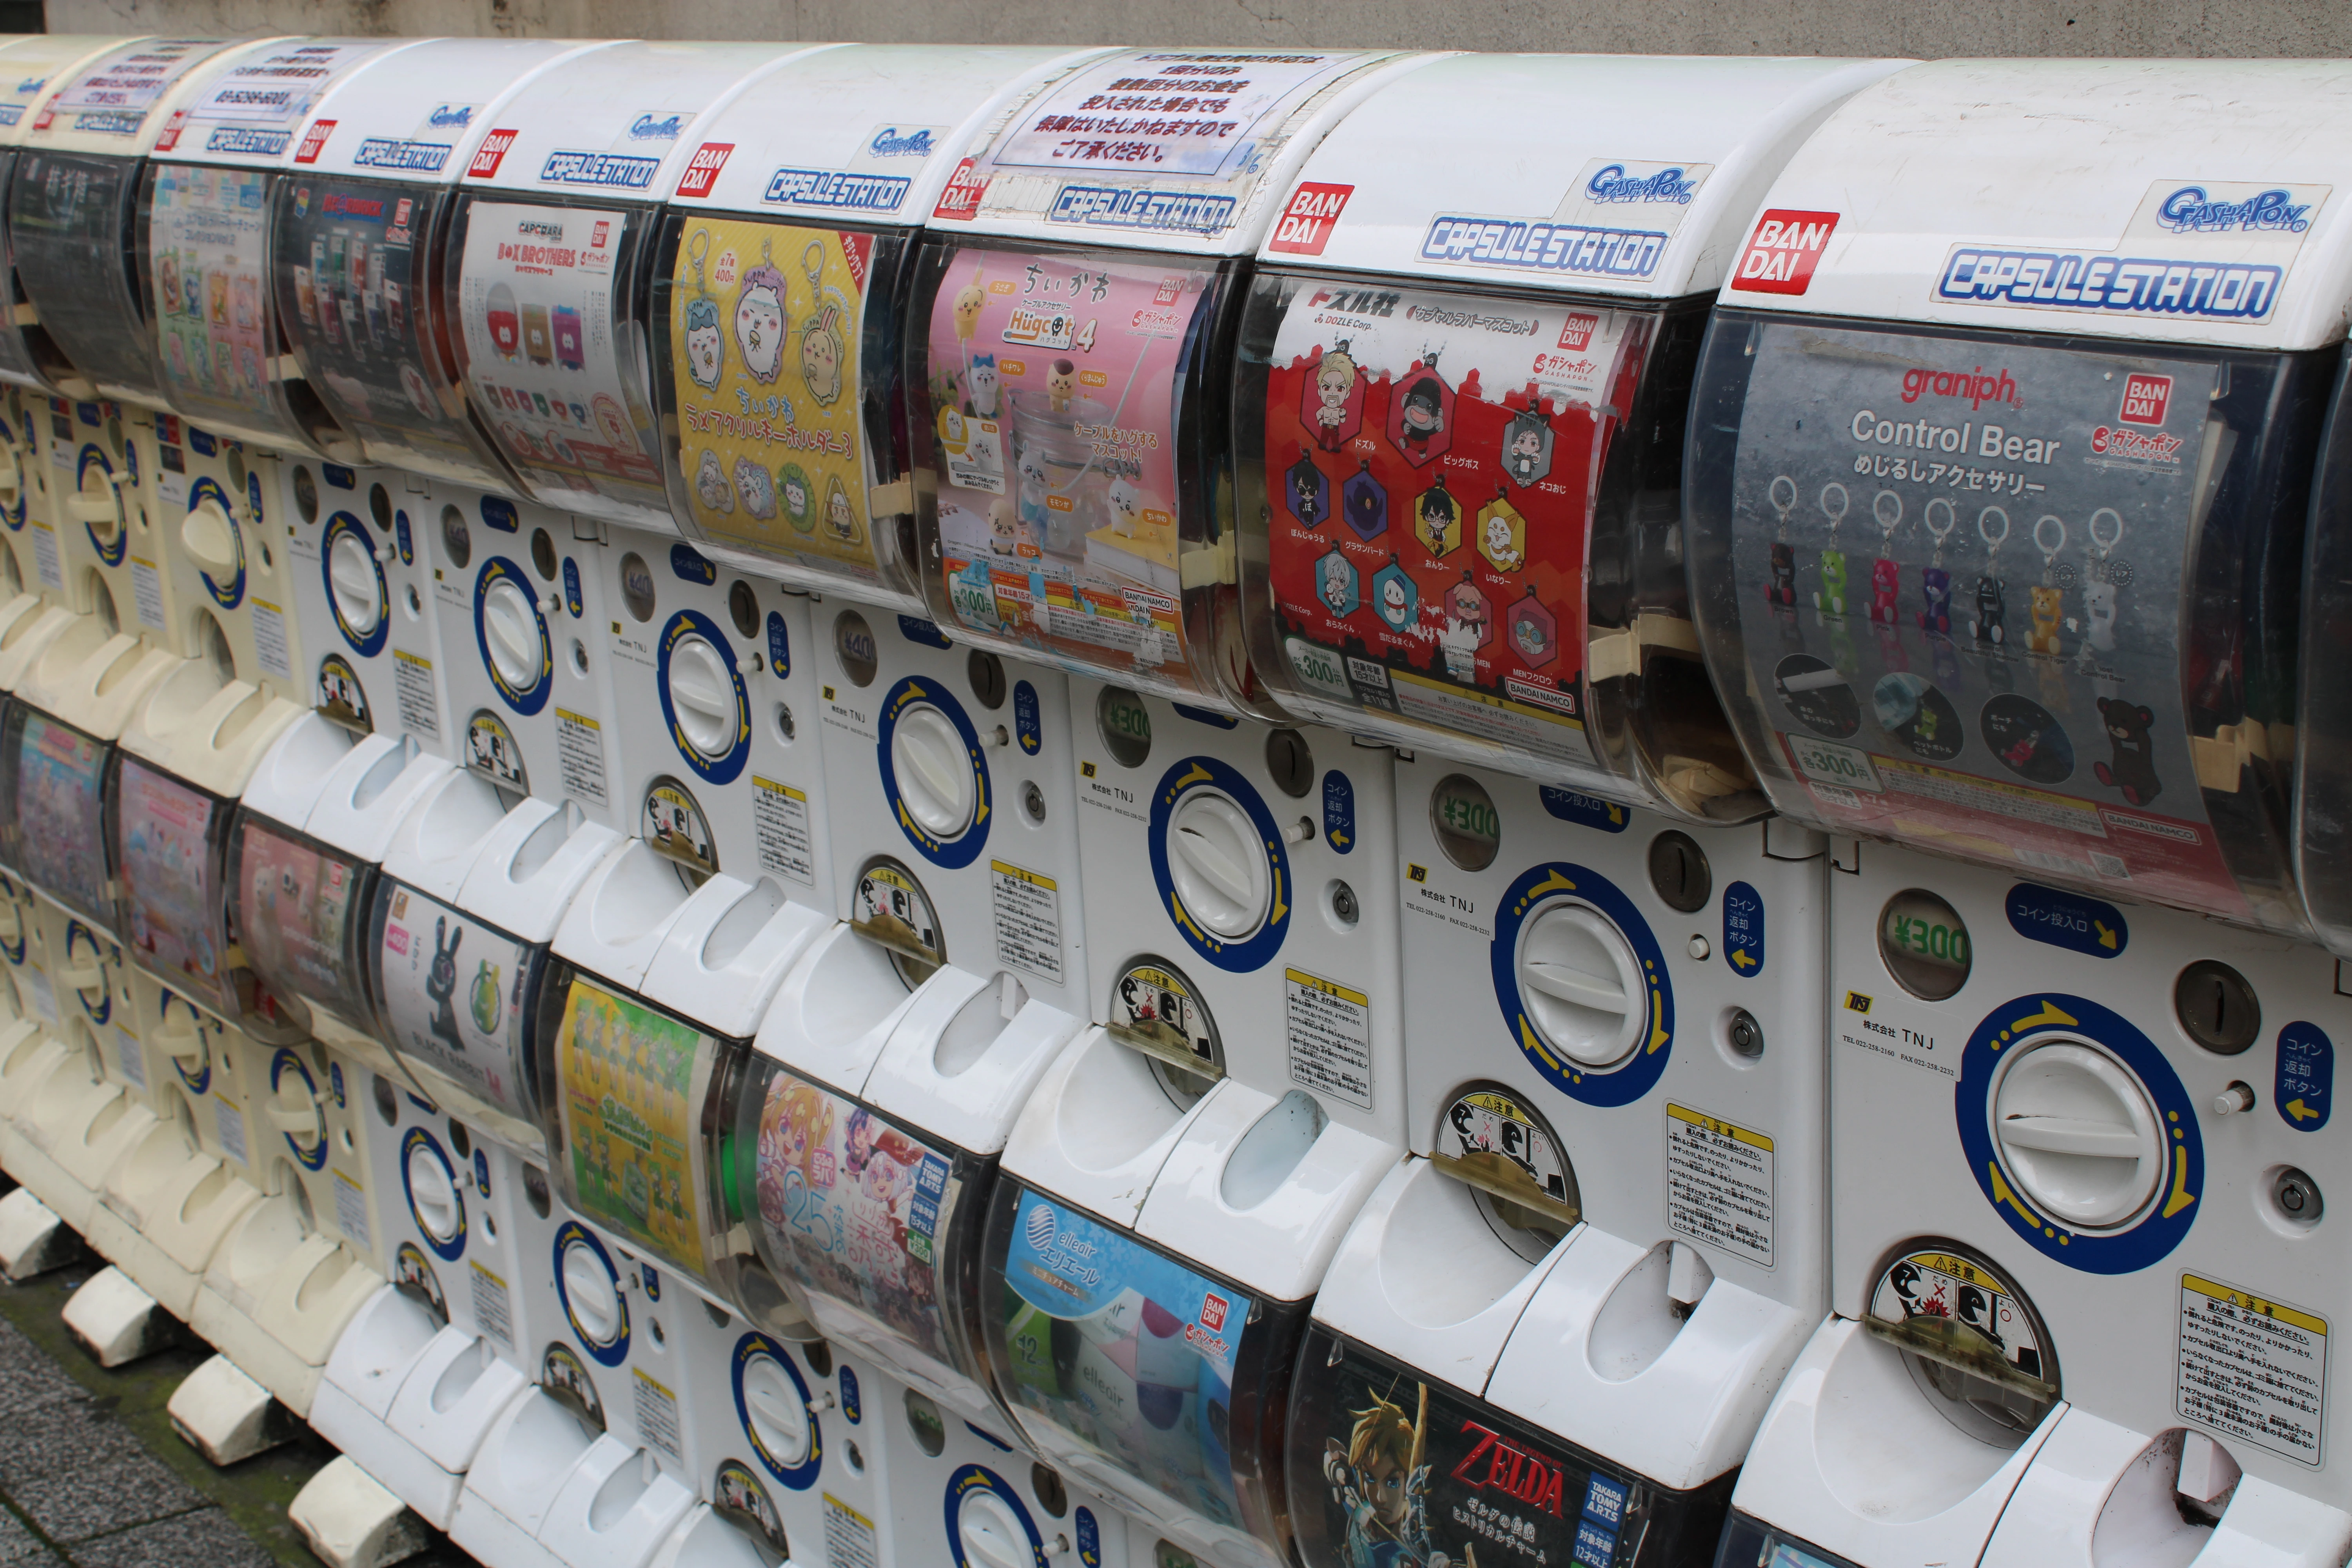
[
  {"x": 631, "y": 1088},
  {"x": 1431, "y": 461},
  {"x": 765, "y": 326},
  {"x": 1055, "y": 386}
]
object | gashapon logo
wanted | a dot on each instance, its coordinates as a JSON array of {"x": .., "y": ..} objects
[{"x": 1780, "y": 256}]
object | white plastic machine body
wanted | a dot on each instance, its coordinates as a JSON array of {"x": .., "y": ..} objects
[
  {"x": 522, "y": 610},
  {"x": 422, "y": 1372},
  {"x": 2049, "y": 1108},
  {"x": 879, "y": 136},
  {"x": 713, "y": 680},
  {"x": 1460, "y": 556}
]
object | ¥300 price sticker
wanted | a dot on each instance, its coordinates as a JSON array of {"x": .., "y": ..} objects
[{"x": 1842, "y": 767}]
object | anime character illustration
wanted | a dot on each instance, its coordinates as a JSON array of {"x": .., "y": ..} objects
[
  {"x": 823, "y": 349},
  {"x": 1306, "y": 492},
  {"x": 1364, "y": 500},
  {"x": 1334, "y": 383},
  {"x": 1378, "y": 1476},
  {"x": 1030, "y": 465},
  {"x": 1061, "y": 384},
  {"x": 1437, "y": 518},
  {"x": 1502, "y": 534},
  {"x": 2049, "y": 606},
  {"x": 986, "y": 394},
  {"x": 757, "y": 488},
  {"x": 1467, "y": 626},
  {"x": 1783, "y": 587},
  {"x": 1526, "y": 446},
  {"x": 967, "y": 303},
  {"x": 441, "y": 985},
  {"x": 793, "y": 486},
  {"x": 1337, "y": 584},
  {"x": 839, "y": 515},
  {"x": 1124, "y": 506},
  {"x": 1423, "y": 416},
  {"x": 705, "y": 344},
  {"x": 760, "y": 322}
]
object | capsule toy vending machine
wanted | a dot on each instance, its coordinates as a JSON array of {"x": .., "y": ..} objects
[
  {"x": 470, "y": 898},
  {"x": 1459, "y": 437},
  {"x": 1073, "y": 374},
  {"x": 642, "y": 1026},
  {"x": 34, "y": 66},
  {"x": 76, "y": 211},
  {"x": 2077, "y": 1052}
]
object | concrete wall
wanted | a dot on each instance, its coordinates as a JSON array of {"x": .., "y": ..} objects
[{"x": 1925, "y": 29}]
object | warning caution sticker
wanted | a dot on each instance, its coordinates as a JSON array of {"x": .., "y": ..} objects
[
  {"x": 848, "y": 1536},
  {"x": 1330, "y": 1034},
  {"x": 2252, "y": 1369},
  {"x": 1719, "y": 1183},
  {"x": 1028, "y": 910}
]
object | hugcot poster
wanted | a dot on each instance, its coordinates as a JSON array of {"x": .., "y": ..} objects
[
  {"x": 765, "y": 322},
  {"x": 1431, "y": 464}
]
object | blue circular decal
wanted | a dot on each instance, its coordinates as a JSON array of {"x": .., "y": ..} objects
[
  {"x": 338, "y": 526},
  {"x": 286, "y": 1061},
  {"x": 454, "y": 1249},
  {"x": 2036, "y": 1018},
  {"x": 965, "y": 847},
  {"x": 722, "y": 769},
  {"x": 496, "y": 569},
  {"x": 1253, "y": 951},
  {"x": 573, "y": 1232},
  {"x": 228, "y": 595},
  {"x": 969, "y": 1480},
  {"x": 92, "y": 457},
  {"x": 1537, "y": 888},
  {"x": 755, "y": 1347}
]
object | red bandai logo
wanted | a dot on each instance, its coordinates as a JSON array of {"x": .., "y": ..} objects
[
  {"x": 596, "y": 239},
  {"x": 1307, "y": 223},
  {"x": 2145, "y": 397},
  {"x": 1576, "y": 333},
  {"x": 170, "y": 138},
  {"x": 702, "y": 169},
  {"x": 1780, "y": 256},
  {"x": 1213, "y": 1310},
  {"x": 314, "y": 140},
  {"x": 961, "y": 200},
  {"x": 492, "y": 151}
]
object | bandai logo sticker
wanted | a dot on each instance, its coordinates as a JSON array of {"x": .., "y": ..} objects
[
  {"x": 1305, "y": 224},
  {"x": 2056, "y": 1018},
  {"x": 1584, "y": 810},
  {"x": 671, "y": 823},
  {"x": 2092, "y": 926},
  {"x": 491, "y": 154},
  {"x": 340, "y": 697},
  {"x": 1743, "y": 929},
  {"x": 1338, "y": 811},
  {"x": 961, "y": 200},
  {"x": 493, "y": 751},
  {"x": 1154, "y": 1008},
  {"x": 702, "y": 169},
  {"x": 2306, "y": 1077},
  {"x": 972, "y": 1480},
  {"x": 314, "y": 140},
  {"x": 1780, "y": 256},
  {"x": 889, "y": 907},
  {"x": 1028, "y": 725}
]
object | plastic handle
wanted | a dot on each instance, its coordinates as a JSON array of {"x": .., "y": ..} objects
[
  {"x": 1576, "y": 986},
  {"x": 2071, "y": 1135},
  {"x": 210, "y": 538},
  {"x": 702, "y": 696},
  {"x": 1212, "y": 855}
]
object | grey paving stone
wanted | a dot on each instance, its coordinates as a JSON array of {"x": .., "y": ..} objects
[
  {"x": 206, "y": 1537},
  {"x": 20, "y": 1547},
  {"x": 59, "y": 1436},
  {"x": 130, "y": 1488},
  {"x": 27, "y": 1375}
]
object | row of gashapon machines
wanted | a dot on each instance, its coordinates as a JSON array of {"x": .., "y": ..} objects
[{"x": 1155, "y": 814}]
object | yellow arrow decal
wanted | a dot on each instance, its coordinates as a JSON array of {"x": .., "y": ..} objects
[
  {"x": 2181, "y": 1196},
  {"x": 1280, "y": 909},
  {"x": 2107, "y": 934},
  {"x": 2298, "y": 1109},
  {"x": 1742, "y": 959},
  {"x": 2050, "y": 1014},
  {"x": 2002, "y": 1195},
  {"x": 1176, "y": 912}
]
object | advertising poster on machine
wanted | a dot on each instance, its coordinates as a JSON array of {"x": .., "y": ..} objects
[
  {"x": 1960, "y": 577},
  {"x": 205, "y": 242},
  {"x": 630, "y": 1082},
  {"x": 1055, "y": 385},
  {"x": 60, "y": 825},
  {"x": 765, "y": 332},
  {"x": 1431, "y": 464},
  {"x": 537, "y": 308},
  {"x": 172, "y": 898}
]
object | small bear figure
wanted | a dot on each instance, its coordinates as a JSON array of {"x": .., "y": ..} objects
[
  {"x": 2049, "y": 604},
  {"x": 1992, "y": 611},
  {"x": 1783, "y": 590},
  {"x": 1885, "y": 586},
  {"x": 1936, "y": 589},
  {"x": 2132, "y": 768},
  {"x": 1831, "y": 598}
]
